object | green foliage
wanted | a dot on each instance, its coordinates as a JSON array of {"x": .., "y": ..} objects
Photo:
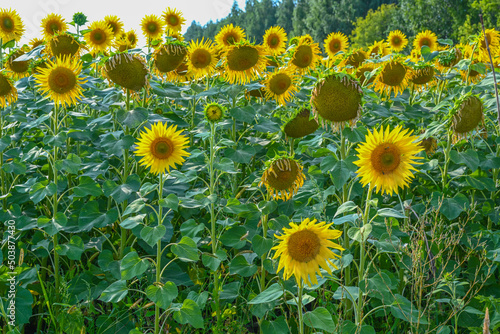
[{"x": 374, "y": 25}]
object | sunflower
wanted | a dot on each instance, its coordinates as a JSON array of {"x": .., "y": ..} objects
[
  {"x": 393, "y": 76},
  {"x": 201, "y": 59},
  {"x": 18, "y": 69},
  {"x": 169, "y": 56},
  {"x": 493, "y": 38},
  {"x": 243, "y": 62},
  {"x": 397, "y": 40},
  {"x": 360, "y": 73},
  {"x": 214, "y": 112},
  {"x": 415, "y": 56},
  {"x": 64, "y": 45},
  {"x": 354, "y": 59},
  {"x": 161, "y": 147},
  {"x": 380, "y": 48},
  {"x": 127, "y": 70},
  {"x": 427, "y": 38},
  {"x": 422, "y": 76},
  {"x": 61, "y": 80},
  {"x": 174, "y": 19},
  {"x": 386, "y": 159},
  {"x": 152, "y": 26},
  {"x": 449, "y": 58},
  {"x": 283, "y": 178},
  {"x": 281, "y": 85},
  {"x": 100, "y": 36},
  {"x": 337, "y": 100},
  {"x": 304, "y": 248},
  {"x": 472, "y": 76},
  {"x": 11, "y": 25},
  {"x": 305, "y": 55},
  {"x": 52, "y": 24},
  {"x": 468, "y": 113},
  {"x": 336, "y": 42},
  {"x": 229, "y": 35},
  {"x": 301, "y": 125},
  {"x": 429, "y": 145},
  {"x": 8, "y": 93},
  {"x": 114, "y": 23},
  {"x": 36, "y": 42},
  {"x": 181, "y": 74},
  {"x": 275, "y": 41}
]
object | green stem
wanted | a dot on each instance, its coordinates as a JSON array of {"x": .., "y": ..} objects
[
  {"x": 446, "y": 160},
  {"x": 299, "y": 305},
  {"x": 55, "y": 120},
  {"x": 362, "y": 259},
  {"x": 158, "y": 253}
]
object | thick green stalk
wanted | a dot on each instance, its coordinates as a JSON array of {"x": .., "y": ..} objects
[
  {"x": 55, "y": 129},
  {"x": 299, "y": 304},
  {"x": 158, "y": 252},
  {"x": 446, "y": 160}
]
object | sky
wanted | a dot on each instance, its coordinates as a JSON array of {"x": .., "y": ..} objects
[{"x": 131, "y": 13}]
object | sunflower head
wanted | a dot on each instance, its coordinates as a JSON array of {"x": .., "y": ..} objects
[
  {"x": 64, "y": 45},
  {"x": 100, "y": 36},
  {"x": 422, "y": 75},
  {"x": 470, "y": 75},
  {"x": 386, "y": 159},
  {"x": 355, "y": 58},
  {"x": 397, "y": 40},
  {"x": 275, "y": 40},
  {"x": 18, "y": 69},
  {"x": 304, "y": 248},
  {"x": 468, "y": 113},
  {"x": 429, "y": 145},
  {"x": 229, "y": 35},
  {"x": 114, "y": 23},
  {"x": 425, "y": 38},
  {"x": 283, "y": 178},
  {"x": 126, "y": 70},
  {"x": 152, "y": 26},
  {"x": 61, "y": 80},
  {"x": 169, "y": 56},
  {"x": 214, "y": 112},
  {"x": 493, "y": 38},
  {"x": 301, "y": 125},
  {"x": 201, "y": 59},
  {"x": 161, "y": 148},
  {"x": 449, "y": 58},
  {"x": 174, "y": 19},
  {"x": 8, "y": 93},
  {"x": 336, "y": 99},
  {"x": 256, "y": 92},
  {"x": 53, "y": 24},
  {"x": 243, "y": 62},
  {"x": 281, "y": 85},
  {"x": 305, "y": 55},
  {"x": 379, "y": 48},
  {"x": 361, "y": 70},
  {"x": 11, "y": 25},
  {"x": 336, "y": 42},
  {"x": 79, "y": 18},
  {"x": 36, "y": 42},
  {"x": 393, "y": 76}
]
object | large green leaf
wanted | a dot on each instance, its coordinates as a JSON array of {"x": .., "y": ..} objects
[
  {"x": 277, "y": 326},
  {"x": 320, "y": 318},
  {"x": 132, "y": 266},
  {"x": 189, "y": 313},
  {"x": 186, "y": 250},
  {"x": 91, "y": 217},
  {"x": 152, "y": 234},
  {"x": 240, "y": 266},
  {"x": 272, "y": 293},
  {"x": 87, "y": 186},
  {"x": 162, "y": 295},
  {"x": 115, "y": 292},
  {"x": 73, "y": 249},
  {"x": 260, "y": 245},
  {"x": 42, "y": 189}
]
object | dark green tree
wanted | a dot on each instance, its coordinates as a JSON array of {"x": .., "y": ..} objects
[
  {"x": 284, "y": 15},
  {"x": 300, "y": 14}
]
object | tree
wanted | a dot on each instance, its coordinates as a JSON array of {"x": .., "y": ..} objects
[
  {"x": 375, "y": 26},
  {"x": 299, "y": 18},
  {"x": 284, "y": 15}
]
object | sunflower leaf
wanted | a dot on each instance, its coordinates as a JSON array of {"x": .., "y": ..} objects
[
  {"x": 320, "y": 318},
  {"x": 272, "y": 293}
]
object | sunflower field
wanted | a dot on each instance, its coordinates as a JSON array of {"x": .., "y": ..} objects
[{"x": 232, "y": 187}]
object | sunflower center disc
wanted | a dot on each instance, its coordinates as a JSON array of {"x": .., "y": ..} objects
[
  {"x": 393, "y": 74},
  {"x": 98, "y": 37},
  {"x": 396, "y": 41},
  {"x": 280, "y": 83},
  {"x": 152, "y": 27},
  {"x": 425, "y": 41},
  {"x": 386, "y": 158},
  {"x": 173, "y": 20},
  {"x": 469, "y": 116},
  {"x": 335, "y": 46},
  {"x": 201, "y": 58},
  {"x": 303, "y": 56},
  {"x": 161, "y": 148},
  {"x": 62, "y": 80},
  {"x": 214, "y": 113},
  {"x": 5, "y": 87},
  {"x": 274, "y": 40},
  {"x": 54, "y": 27},
  {"x": 8, "y": 24},
  {"x": 303, "y": 246},
  {"x": 242, "y": 58}
]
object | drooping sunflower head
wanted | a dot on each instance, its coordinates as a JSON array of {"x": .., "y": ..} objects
[
  {"x": 281, "y": 85},
  {"x": 152, "y": 26},
  {"x": 393, "y": 77},
  {"x": 114, "y": 23},
  {"x": 386, "y": 159},
  {"x": 354, "y": 59},
  {"x": 229, "y": 35},
  {"x": 11, "y": 25},
  {"x": 493, "y": 38},
  {"x": 305, "y": 55},
  {"x": 467, "y": 115},
  {"x": 470, "y": 75},
  {"x": 214, "y": 112},
  {"x": 283, "y": 178},
  {"x": 380, "y": 48},
  {"x": 425, "y": 38},
  {"x": 422, "y": 75},
  {"x": 243, "y": 62},
  {"x": 126, "y": 70},
  {"x": 8, "y": 93},
  {"x": 305, "y": 248},
  {"x": 181, "y": 74},
  {"x": 61, "y": 80},
  {"x": 336, "y": 99},
  {"x": 449, "y": 58},
  {"x": 361, "y": 70},
  {"x": 301, "y": 125},
  {"x": 174, "y": 19},
  {"x": 18, "y": 68},
  {"x": 397, "y": 40},
  {"x": 169, "y": 56},
  {"x": 100, "y": 36},
  {"x": 275, "y": 40},
  {"x": 161, "y": 147},
  {"x": 336, "y": 42},
  {"x": 132, "y": 38},
  {"x": 429, "y": 145},
  {"x": 36, "y": 42},
  {"x": 64, "y": 45},
  {"x": 201, "y": 59},
  {"x": 53, "y": 24}
]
